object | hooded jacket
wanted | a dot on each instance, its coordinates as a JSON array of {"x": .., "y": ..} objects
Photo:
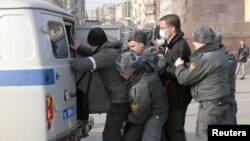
[{"x": 103, "y": 61}]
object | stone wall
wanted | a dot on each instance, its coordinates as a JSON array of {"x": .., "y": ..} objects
[{"x": 224, "y": 16}]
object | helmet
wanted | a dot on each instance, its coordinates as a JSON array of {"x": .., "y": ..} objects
[{"x": 128, "y": 62}]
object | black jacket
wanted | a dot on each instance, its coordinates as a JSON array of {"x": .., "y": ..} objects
[
  {"x": 179, "y": 95},
  {"x": 231, "y": 71},
  {"x": 243, "y": 54}
]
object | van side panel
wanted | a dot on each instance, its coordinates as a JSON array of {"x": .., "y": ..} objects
[
  {"x": 29, "y": 73},
  {"x": 19, "y": 119},
  {"x": 22, "y": 99},
  {"x": 54, "y": 44}
]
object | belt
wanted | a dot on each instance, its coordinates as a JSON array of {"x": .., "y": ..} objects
[{"x": 220, "y": 101}]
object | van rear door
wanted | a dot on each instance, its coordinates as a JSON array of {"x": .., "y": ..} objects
[{"x": 64, "y": 97}]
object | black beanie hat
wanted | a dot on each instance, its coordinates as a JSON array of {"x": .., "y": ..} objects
[{"x": 97, "y": 36}]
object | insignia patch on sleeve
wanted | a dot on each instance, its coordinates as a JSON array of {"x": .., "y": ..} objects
[
  {"x": 134, "y": 107},
  {"x": 160, "y": 55},
  {"x": 191, "y": 67}
]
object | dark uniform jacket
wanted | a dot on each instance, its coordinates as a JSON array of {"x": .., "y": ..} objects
[
  {"x": 207, "y": 74},
  {"x": 179, "y": 95},
  {"x": 146, "y": 95},
  {"x": 154, "y": 54},
  {"x": 104, "y": 57},
  {"x": 231, "y": 70}
]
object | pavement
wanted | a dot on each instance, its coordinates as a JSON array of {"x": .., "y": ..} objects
[{"x": 243, "y": 115}]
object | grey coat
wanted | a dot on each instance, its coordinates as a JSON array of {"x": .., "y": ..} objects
[
  {"x": 146, "y": 96},
  {"x": 105, "y": 57},
  {"x": 207, "y": 74}
]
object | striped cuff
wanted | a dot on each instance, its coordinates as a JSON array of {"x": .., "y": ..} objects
[{"x": 93, "y": 62}]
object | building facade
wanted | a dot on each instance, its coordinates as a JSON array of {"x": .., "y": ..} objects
[
  {"x": 74, "y": 7},
  {"x": 143, "y": 13},
  {"x": 119, "y": 14},
  {"x": 225, "y": 16}
]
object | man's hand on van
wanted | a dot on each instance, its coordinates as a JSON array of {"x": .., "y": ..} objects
[{"x": 76, "y": 42}]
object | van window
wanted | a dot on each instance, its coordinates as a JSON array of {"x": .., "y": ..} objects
[
  {"x": 15, "y": 37},
  {"x": 58, "y": 40}
]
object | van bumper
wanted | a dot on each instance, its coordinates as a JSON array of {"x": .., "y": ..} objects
[{"x": 76, "y": 133}]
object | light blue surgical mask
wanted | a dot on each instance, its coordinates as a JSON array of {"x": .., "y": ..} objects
[{"x": 163, "y": 35}]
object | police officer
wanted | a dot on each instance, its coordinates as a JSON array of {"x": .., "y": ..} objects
[
  {"x": 148, "y": 102},
  {"x": 207, "y": 75},
  {"x": 232, "y": 64}
]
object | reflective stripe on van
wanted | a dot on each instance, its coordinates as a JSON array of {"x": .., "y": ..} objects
[{"x": 27, "y": 77}]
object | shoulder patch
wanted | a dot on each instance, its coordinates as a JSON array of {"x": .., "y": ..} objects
[
  {"x": 191, "y": 67},
  {"x": 134, "y": 107},
  {"x": 160, "y": 55}
]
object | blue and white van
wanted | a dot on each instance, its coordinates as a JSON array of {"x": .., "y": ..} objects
[{"x": 37, "y": 84}]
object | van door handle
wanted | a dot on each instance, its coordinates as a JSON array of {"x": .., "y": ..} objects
[
  {"x": 57, "y": 76},
  {"x": 68, "y": 95}
]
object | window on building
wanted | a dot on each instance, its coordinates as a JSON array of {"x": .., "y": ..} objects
[{"x": 247, "y": 10}]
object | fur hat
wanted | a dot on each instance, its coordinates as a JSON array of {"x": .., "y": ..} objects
[
  {"x": 128, "y": 62},
  {"x": 204, "y": 35}
]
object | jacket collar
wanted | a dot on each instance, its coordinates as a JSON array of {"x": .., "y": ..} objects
[
  {"x": 143, "y": 73},
  {"x": 205, "y": 48},
  {"x": 175, "y": 39},
  {"x": 109, "y": 44}
]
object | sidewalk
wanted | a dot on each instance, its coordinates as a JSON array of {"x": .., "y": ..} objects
[{"x": 243, "y": 101}]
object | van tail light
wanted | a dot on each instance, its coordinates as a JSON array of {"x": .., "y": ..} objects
[{"x": 49, "y": 101}]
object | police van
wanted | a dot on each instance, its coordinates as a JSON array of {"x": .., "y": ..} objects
[{"x": 37, "y": 85}]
